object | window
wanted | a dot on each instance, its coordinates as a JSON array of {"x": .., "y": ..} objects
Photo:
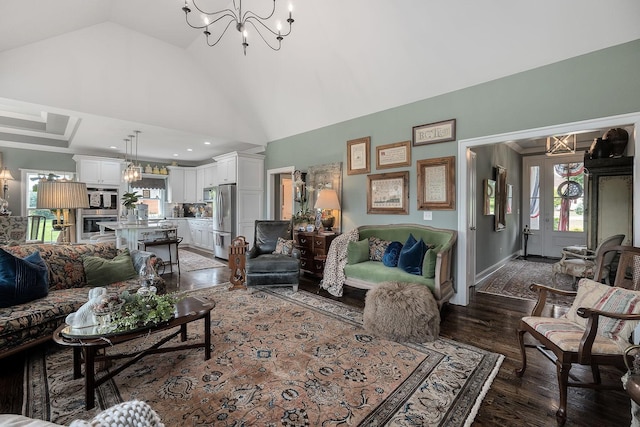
[{"x": 31, "y": 179}]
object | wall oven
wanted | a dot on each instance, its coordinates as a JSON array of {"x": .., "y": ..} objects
[
  {"x": 89, "y": 219},
  {"x": 103, "y": 207}
]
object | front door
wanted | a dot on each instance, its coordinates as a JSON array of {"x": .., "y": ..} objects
[{"x": 555, "y": 205}]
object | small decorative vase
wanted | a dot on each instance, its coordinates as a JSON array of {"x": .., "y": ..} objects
[{"x": 131, "y": 216}]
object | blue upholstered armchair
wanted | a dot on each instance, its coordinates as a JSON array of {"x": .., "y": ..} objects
[{"x": 273, "y": 260}]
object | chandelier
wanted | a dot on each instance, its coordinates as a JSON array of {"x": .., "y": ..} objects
[
  {"x": 133, "y": 171},
  {"x": 241, "y": 18}
]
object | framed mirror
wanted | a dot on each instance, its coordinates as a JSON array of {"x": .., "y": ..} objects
[
  {"x": 501, "y": 199},
  {"x": 325, "y": 177},
  {"x": 489, "y": 197}
]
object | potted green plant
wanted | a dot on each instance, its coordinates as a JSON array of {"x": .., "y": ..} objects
[{"x": 129, "y": 201}]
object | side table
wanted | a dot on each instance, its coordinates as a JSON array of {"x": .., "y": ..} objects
[{"x": 237, "y": 260}]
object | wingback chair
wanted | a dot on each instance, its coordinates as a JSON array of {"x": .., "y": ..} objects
[
  {"x": 595, "y": 331},
  {"x": 583, "y": 262},
  {"x": 272, "y": 262}
]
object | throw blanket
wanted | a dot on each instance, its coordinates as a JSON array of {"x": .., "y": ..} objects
[{"x": 334, "y": 277}]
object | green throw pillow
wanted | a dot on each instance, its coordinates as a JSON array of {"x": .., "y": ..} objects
[
  {"x": 102, "y": 272},
  {"x": 358, "y": 251},
  {"x": 429, "y": 263}
]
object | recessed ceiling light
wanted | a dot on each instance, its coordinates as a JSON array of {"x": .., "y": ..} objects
[
  {"x": 189, "y": 149},
  {"x": 207, "y": 143},
  {"x": 113, "y": 147},
  {"x": 175, "y": 154}
]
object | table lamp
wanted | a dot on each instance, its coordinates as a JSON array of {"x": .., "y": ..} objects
[
  {"x": 62, "y": 196},
  {"x": 327, "y": 201},
  {"x": 5, "y": 175}
]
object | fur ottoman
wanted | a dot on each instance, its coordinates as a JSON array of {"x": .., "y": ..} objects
[{"x": 402, "y": 312}]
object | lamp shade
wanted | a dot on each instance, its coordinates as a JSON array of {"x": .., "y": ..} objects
[
  {"x": 62, "y": 195},
  {"x": 327, "y": 199},
  {"x": 5, "y": 174}
]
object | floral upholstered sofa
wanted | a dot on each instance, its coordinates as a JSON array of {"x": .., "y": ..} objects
[{"x": 27, "y": 324}]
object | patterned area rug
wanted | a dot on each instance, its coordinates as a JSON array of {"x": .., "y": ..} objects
[
  {"x": 281, "y": 358},
  {"x": 191, "y": 261},
  {"x": 514, "y": 278}
]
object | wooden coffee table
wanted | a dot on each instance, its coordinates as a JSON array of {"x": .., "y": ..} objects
[{"x": 86, "y": 343}]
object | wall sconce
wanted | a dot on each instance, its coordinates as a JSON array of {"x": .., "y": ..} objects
[
  {"x": 327, "y": 201},
  {"x": 5, "y": 176}
]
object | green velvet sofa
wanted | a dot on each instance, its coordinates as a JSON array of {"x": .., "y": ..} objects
[{"x": 437, "y": 265}]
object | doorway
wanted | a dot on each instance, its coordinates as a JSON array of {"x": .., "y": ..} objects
[
  {"x": 462, "y": 249},
  {"x": 554, "y": 210},
  {"x": 275, "y": 195}
]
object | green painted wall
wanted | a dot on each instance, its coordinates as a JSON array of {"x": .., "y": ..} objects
[
  {"x": 599, "y": 84},
  {"x": 15, "y": 159}
]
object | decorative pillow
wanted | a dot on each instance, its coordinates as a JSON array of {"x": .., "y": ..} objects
[
  {"x": 102, "y": 272},
  {"x": 429, "y": 262},
  {"x": 412, "y": 255},
  {"x": 606, "y": 298},
  {"x": 283, "y": 246},
  {"x": 22, "y": 280},
  {"x": 358, "y": 252},
  {"x": 392, "y": 254},
  {"x": 377, "y": 247}
]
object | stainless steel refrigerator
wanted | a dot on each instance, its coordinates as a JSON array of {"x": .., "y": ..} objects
[{"x": 224, "y": 218}]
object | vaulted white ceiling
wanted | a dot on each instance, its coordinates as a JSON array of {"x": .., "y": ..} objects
[{"x": 106, "y": 68}]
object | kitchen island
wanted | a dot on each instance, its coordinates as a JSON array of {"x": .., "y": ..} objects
[{"x": 128, "y": 235}]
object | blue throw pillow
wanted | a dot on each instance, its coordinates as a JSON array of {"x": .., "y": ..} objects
[
  {"x": 411, "y": 256},
  {"x": 392, "y": 254},
  {"x": 22, "y": 280}
]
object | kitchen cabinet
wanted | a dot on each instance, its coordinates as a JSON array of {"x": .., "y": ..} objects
[
  {"x": 227, "y": 169},
  {"x": 98, "y": 171},
  {"x": 181, "y": 185},
  {"x": 201, "y": 232},
  {"x": 205, "y": 178},
  {"x": 190, "y": 188}
]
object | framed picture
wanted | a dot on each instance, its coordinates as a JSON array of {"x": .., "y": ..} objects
[
  {"x": 146, "y": 194},
  {"x": 436, "y": 184},
  {"x": 388, "y": 193},
  {"x": 434, "y": 132},
  {"x": 393, "y": 155},
  {"x": 358, "y": 156}
]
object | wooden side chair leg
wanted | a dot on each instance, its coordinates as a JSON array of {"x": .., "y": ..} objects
[
  {"x": 520, "y": 372},
  {"x": 563, "y": 384},
  {"x": 595, "y": 371}
]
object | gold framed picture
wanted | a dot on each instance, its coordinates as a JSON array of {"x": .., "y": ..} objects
[
  {"x": 393, "y": 155},
  {"x": 358, "y": 156},
  {"x": 436, "y": 184},
  {"x": 434, "y": 132},
  {"x": 388, "y": 193}
]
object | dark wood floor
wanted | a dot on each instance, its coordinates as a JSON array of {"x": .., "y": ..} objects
[{"x": 487, "y": 322}]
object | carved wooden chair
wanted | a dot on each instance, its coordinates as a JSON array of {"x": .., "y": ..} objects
[
  {"x": 582, "y": 262},
  {"x": 596, "y": 329}
]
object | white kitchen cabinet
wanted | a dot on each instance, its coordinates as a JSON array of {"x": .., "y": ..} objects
[
  {"x": 205, "y": 178},
  {"x": 210, "y": 175},
  {"x": 190, "y": 188},
  {"x": 175, "y": 184},
  {"x": 183, "y": 231},
  {"x": 201, "y": 232},
  {"x": 98, "y": 170},
  {"x": 182, "y": 185},
  {"x": 227, "y": 169}
]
